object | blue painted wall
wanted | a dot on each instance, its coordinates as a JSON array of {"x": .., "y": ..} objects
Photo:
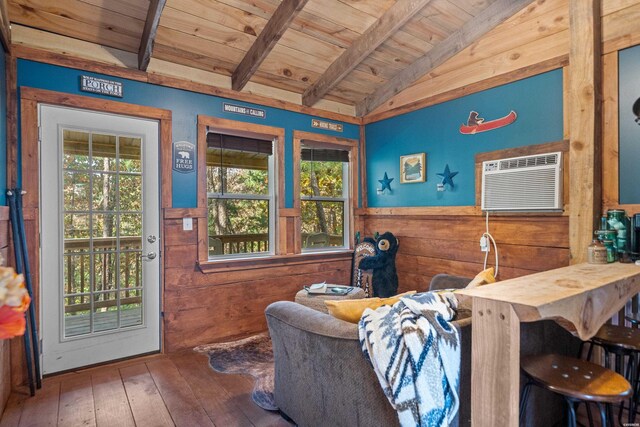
[
  {"x": 435, "y": 131},
  {"x": 629, "y": 64},
  {"x": 3, "y": 128},
  {"x": 185, "y": 107}
]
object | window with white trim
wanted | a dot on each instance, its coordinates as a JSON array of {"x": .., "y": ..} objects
[
  {"x": 240, "y": 196},
  {"x": 324, "y": 196}
]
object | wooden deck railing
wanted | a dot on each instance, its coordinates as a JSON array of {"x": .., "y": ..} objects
[
  {"x": 220, "y": 244},
  {"x": 78, "y": 272}
]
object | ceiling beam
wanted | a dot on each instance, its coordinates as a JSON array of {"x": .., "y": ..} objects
[
  {"x": 275, "y": 28},
  {"x": 472, "y": 30},
  {"x": 394, "y": 18},
  {"x": 5, "y": 27},
  {"x": 149, "y": 33}
]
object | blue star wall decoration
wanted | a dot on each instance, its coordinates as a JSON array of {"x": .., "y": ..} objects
[
  {"x": 447, "y": 176},
  {"x": 386, "y": 182}
]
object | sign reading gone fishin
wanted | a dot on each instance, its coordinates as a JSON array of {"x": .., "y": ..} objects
[{"x": 320, "y": 124}]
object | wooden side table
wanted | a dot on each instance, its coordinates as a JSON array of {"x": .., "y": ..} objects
[{"x": 316, "y": 301}]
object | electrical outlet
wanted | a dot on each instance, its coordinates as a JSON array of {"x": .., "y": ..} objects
[{"x": 484, "y": 244}]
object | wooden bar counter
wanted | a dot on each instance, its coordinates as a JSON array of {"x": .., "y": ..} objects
[{"x": 581, "y": 298}]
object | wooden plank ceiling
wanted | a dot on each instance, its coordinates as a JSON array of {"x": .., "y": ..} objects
[{"x": 302, "y": 41}]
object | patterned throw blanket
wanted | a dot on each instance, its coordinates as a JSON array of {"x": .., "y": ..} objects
[{"x": 415, "y": 353}]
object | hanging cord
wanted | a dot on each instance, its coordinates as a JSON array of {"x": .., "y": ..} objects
[{"x": 486, "y": 235}]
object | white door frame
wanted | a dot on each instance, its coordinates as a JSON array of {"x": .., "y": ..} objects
[{"x": 60, "y": 353}]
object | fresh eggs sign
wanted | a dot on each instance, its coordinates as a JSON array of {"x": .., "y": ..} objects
[
  {"x": 101, "y": 86},
  {"x": 184, "y": 156}
]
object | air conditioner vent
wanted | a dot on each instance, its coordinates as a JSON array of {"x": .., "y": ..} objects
[
  {"x": 528, "y": 183},
  {"x": 525, "y": 162}
]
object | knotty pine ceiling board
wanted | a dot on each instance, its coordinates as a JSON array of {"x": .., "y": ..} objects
[
  {"x": 214, "y": 35},
  {"x": 112, "y": 26}
]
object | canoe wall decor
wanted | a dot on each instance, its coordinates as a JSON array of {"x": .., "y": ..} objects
[{"x": 476, "y": 124}]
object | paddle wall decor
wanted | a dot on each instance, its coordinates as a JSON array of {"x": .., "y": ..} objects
[{"x": 476, "y": 124}]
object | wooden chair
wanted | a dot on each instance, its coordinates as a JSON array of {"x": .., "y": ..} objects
[
  {"x": 215, "y": 246},
  {"x": 577, "y": 381},
  {"x": 317, "y": 240}
]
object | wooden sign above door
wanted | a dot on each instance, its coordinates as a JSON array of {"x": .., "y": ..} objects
[{"x": 101, "y": 86}]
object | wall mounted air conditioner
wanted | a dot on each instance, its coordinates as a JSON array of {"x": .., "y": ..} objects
[{"x": 529, "y": 183}]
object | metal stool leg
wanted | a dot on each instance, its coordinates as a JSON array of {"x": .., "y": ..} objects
[
  {"x": 571, "y": 413},
  {"x": 603, "y": 414},
  {"x": 523, "y": 400},
  {"x": 590, "y": 352}
]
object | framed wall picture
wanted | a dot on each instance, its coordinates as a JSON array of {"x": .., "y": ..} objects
[{"x": 413, "y": 168}]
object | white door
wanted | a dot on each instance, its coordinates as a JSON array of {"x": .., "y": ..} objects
[{"x": 99, "y": 219}]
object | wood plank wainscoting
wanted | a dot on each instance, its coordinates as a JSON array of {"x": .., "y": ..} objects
[
  {"x": 433, "y": 244},
  {"x": 202, "y": 306},
  {"x": 5, "y": 356}
]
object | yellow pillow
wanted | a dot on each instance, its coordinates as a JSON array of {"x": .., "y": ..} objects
[
  {"x": 350, "y": 310},
  {"x": 483, "y": 278}
]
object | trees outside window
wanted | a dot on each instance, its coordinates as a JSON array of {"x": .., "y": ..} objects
[
  {"x": 240, "y": 195},
  {"x": 324, "y": 197}
]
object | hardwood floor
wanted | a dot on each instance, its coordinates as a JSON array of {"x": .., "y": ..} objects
[{"x": 161, "y": 390}]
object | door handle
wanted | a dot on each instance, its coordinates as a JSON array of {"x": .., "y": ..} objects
[{"x": 151, "y": 255}]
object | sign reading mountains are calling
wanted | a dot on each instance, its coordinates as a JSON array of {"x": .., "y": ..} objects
[
  {"x": 101, "y": 86},
  {"x": 246, "y": 111},
  {"x": 183, "y": 156}
]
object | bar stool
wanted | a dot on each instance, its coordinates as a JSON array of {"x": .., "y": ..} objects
[
  {"x": 621, "y": 342},
  {"x": 577, "y": 381}
]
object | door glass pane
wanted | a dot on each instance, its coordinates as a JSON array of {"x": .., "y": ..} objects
[
  {"x": 130, "y": 225},
  {"x": 130, "y": 192},
  {"x": 76, "y": 149},
  {"x": 76, "y": 226},
  {"x": 77, "y": 192},
  {"x": 105, "y": 231},
  {"x": 130, "y": 270},
  {"x": 102, "y": 286},
  {"x": 103, "y": 151},
  {"x": 130, "y": 158},
  {"x": 105, "y": 311},
  {"x": 104, "y": 271},
  {"x": 131, "y": 308},
  {"x": 104, "y": 191}
]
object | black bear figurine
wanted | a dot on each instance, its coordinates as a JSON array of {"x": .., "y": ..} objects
[{"x": 383, "y": 264}]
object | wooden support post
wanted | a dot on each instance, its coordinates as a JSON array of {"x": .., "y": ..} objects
[
  {"x": 585, "y": 125},
  {"x": 12, "y": 121},
  {"x": 495, "y": 364},
  {"x": 5, "y": 27}
]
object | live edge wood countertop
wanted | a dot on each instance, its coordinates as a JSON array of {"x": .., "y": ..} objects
[
  {"x": 584, "y": 295},
  {"x": 580, "y": 297}
]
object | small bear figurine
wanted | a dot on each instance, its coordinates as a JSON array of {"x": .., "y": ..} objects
[{"x": 383, "y": 264}]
